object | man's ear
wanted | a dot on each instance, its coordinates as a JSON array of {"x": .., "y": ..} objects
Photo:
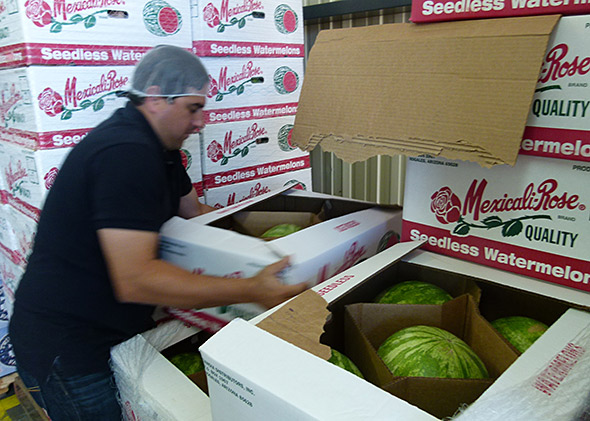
[{"x": 152, "y": 102}]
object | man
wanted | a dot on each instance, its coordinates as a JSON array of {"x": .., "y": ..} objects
[{"x": 94, "y": 276}]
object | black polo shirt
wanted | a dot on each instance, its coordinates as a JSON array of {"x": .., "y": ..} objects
[{"x": 118, "y": 176}]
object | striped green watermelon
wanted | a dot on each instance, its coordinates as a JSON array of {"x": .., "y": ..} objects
[
  {"x": 280, "y": 230},
  {"x": 188, "y": 362},
  {"x": 413, "y": 292},
  {"x": 342, "y": 361},
  {"x": 520, "y": 331},
  {"x": 427, "y": 351}
]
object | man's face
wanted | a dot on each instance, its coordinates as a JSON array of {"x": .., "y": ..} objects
[{"x": 178, "y": 118}]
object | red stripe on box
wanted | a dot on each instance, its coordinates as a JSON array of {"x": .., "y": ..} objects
[
  {"x": 66, "y": 54},
  {"x": 269, "y": 169},
  {"x": 228, "y": 115},
  {"x": 554, "y": 268},
  {"x": 247, "y": 49},
  {"x": 556, "y": 143},
  {"x": 443, "y": 10}
]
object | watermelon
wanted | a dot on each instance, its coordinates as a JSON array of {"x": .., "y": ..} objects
[
  {"x": 188, "y": 362},
  {"x": 342, "y": 361},
  {"x": 427, "y": 351},
  {"x": 413, "y": 292},
  {"x": 520, "y": 331},
  {"x": 280, "y": 230}
]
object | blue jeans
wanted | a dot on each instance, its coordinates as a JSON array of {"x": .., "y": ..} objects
[{"x": 75, "y": 398}]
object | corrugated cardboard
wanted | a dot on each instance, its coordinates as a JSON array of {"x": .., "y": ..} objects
[
  {"x": 461, "y": 90},
  {"x": 368, "y": 325}
]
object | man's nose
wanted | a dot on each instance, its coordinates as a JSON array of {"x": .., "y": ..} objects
[{"x": 199, "y": 121}]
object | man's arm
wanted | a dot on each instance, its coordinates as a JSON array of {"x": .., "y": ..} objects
[
  {"x": 139, "y": 276},
  {"x": 190, "y": 206}
]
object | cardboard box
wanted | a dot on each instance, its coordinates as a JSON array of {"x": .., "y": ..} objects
[
  {"x": 559, "y": 125},
  {"x": 243, "y": 385},
  {"x": 247, "y": 146},
  {"x": 350, "y": 231},
  {"x": 369, "y": 325},
  {"x": 55, "y": 106},
  {"x": 460, "y": 90},
  {"x": 529, "y": 219},
  {"x": 550, "y": 383},
  {"x": 300, "y": 322},
  {"x": 269, "y": 28},
  {"x": 191, "y": 159},
  {"x": 7, "y": 362},
  {"x": 248, "y": 82},
  {"x": 28, "y": 176},
  {"x": 436, "y": 11},
  {"x": 227, "y": 195},
  {"x": 56, "y": 33},
  {"x": 151, "y": 387}
]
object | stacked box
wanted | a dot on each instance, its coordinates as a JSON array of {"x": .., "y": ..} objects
[
  {"x": 253, "y": 52},
  {"x": 445, "y": 10},
  {"x": 268, "y": 28},
  {"x": 248, "y": 158},
  {"x": 89, "y": 33},
  {"x": 531, "y": 219},
  {"x": 559, "y": 120}
]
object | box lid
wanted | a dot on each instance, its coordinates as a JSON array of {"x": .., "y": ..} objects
[{"x": 461, "y": 90}]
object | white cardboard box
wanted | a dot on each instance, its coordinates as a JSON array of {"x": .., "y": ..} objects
[
  {"x": 356, "y": 231},
  {"x": 529, "y": 219},
  {"x": 247, "y": 82},
  {"x": 559, "y": 120},
  {"x": 151, "y": 387},
  {"x": 230, "y": 28},
  {"x": 254, "y": 390},
  {"x": 292, "y": 384},
  {"x": 230, "y": 194},
  {"x": 28, "y": 175},
  {"x": 246, "y": 145},
  {"x": 55, "y": 106},
  {"x": 89, "y": 33}
]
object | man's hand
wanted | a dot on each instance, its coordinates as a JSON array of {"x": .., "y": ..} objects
[{"x": 269, "y": 288}]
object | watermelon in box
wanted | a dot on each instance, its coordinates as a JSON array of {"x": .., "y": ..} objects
[
  {"x": 368, "y": 325},
  {"x": 427, "y": 351}
]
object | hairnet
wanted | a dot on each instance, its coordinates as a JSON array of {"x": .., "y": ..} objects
[{"x": 176, "y": 71}]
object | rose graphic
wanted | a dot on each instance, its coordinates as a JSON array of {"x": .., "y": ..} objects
[
  {"x": 39, "y": 12},
  {"x": 50, "y": 177},
  {"x": 214, "y": 151},
  {"x": 213, "y": 89},
  {"x": 446, "y": 206},
  {"x": 50, "y": 102},
  {"x": 211, "y": 15}
]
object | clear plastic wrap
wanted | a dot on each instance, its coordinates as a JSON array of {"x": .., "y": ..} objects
[
  {"x": 560, "y": 390},
  {"x": 130, "y": 361}
]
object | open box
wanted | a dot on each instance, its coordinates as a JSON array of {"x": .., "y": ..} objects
[
  {"x": 369, "y": 325},
  {"x": 216, "y": 243},
  {"x": 296, "y": 322}
]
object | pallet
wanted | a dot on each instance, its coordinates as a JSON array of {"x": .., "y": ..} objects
[{"x": 6, "y": 382}]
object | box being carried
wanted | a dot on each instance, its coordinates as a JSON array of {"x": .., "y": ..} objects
[
  {"x": 336, "y": 234},
  {"x": 54, "y": 32}
]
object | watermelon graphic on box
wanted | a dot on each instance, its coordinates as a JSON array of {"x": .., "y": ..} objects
[
  {"x": 161, "y": 18},
  {"x": 243, "y": 85},
  {"x": 286, "y": 19}
]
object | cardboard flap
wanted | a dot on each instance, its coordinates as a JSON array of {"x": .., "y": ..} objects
[
  {"x": 301, "y": 322},
  {"x": 461, "y": 90}
]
